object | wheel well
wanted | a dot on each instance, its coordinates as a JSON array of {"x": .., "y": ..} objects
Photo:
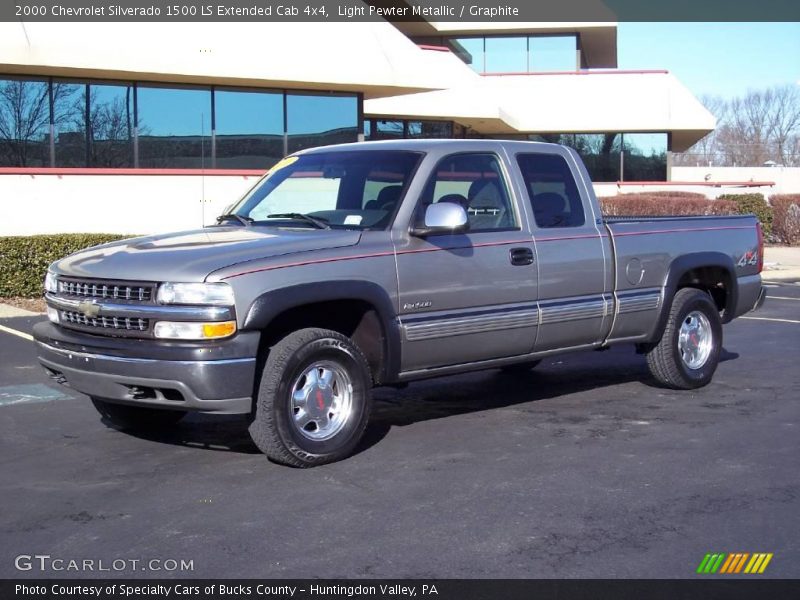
[
  {"x": 714, "y": 280},
  {"x": 357, "y": 319}
]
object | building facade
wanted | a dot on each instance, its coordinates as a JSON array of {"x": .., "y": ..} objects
[{"x": 180, "y": 126}]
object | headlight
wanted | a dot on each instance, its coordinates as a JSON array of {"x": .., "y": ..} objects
[
  {"x": 50, "y": 282},
  {"x": 217, "y": 294},
  {"x": 193, "y": 331},
  {"x": 52, "y": 314}
]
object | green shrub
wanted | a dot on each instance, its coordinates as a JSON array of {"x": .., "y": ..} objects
[
  {"x": 786, "y": 218},
  {"x": 660, "y": 205},
  {"x": 753, "y": 204},
  {"x": 24, "y": 260}
]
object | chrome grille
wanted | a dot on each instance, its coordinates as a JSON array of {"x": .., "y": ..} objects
[
  {"x": 136, "y": 292},
  {"x": 117, "y": 323}
]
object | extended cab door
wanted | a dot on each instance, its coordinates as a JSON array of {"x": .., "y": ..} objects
[
  {"x": 573, "y": 252},
  {"x": 472, "y": 296}
]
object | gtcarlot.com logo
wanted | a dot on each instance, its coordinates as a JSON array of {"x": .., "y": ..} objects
[
  {"x": 738, "y": 562},
  {"x": 46, "y": 562}
]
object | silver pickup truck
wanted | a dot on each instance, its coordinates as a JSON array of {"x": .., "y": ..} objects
[{"x": 375, "y": 264}]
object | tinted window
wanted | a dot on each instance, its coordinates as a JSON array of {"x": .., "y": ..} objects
[
  {"x": 69, "y": 119},
  {"x": 174, "y": 128},
  {"x": 553, "y": 53},
  {"x": 24, "y": 123},
  {"x": 551, "y": 190},
  {"x": 111, "y": 125},
  {"x": 248, "y": 129},
  {"x": 645, "y": 156},
  {"x": 320, "y": 120},
  {"x": 476, "y": 182}
]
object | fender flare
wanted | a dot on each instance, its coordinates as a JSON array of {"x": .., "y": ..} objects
[
  {"x": 269, "y": 305},
  {"x": 682, "y": 265}
]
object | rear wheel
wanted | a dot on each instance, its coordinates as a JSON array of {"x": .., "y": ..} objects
[
  {"x": 687, "y": 355},
  {"x": 139, "y": 418},
  {"x": 313, "y": 400}
]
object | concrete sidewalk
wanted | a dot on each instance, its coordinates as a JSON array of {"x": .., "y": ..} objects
[{"x": 781, "y": 263}]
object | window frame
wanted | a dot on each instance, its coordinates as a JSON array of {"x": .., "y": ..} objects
[{"x": 505, "y": 176}]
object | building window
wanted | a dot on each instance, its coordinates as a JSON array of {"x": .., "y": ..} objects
[
  {"x": 506, "y": 55},
  {"x": 376, "y": 129},
  {"x": 69, "y": 124},
  {"x": 111, "y": 124},
  {"x": 553, "y": 53},
  {"x": 644, "y": 156},
  {"x": 248, "y": 131},
  {"x": 518, "y": 54},
  {"x": 174, "y": 127},
  {"x": 24, "y": 123},
  {"x": 600, "y": 153},
  {"x": 429, "y": 129},
  {"x": 387, "y": 130},
  {"x": 320, "y": 120}
]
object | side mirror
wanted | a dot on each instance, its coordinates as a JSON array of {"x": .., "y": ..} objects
[{"x": 443, "y": 217}]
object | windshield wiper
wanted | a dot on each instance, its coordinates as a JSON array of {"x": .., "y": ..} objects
[
  {"x": 317, "y": 222},
  {"x": 246, "y": 221}
]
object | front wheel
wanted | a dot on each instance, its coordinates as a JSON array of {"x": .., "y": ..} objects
[
  {"x": 313, "y": 400},
  {"x": 137, "y": 418},
  {"x": 687, "y": 355}
]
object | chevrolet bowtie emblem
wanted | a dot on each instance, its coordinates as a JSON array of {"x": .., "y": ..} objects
[{"x": 89, "y": 309}]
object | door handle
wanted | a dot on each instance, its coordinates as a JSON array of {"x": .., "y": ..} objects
[{"x": 521, "y": 256}]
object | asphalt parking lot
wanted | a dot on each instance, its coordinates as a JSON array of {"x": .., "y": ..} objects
[{"x": 582, "y": 468}]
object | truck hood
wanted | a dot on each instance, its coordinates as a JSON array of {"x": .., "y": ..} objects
[{"x": 193, "y": 255}]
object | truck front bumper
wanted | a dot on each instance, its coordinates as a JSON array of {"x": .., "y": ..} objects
[{"x": 198, "y": 377}]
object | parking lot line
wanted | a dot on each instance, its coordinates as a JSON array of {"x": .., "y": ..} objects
[
  {"x": 770, "y": 319},
  {"x": 782, "y": 298},
  {"x": 22, "y": 334}
]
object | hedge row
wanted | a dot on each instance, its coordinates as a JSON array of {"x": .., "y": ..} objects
[
  {"x": 665, "y": 204},
  {"x": 786, "y": 218},
  {"x": 24, "y": 260},
  {"x": 753, "y": 204}
]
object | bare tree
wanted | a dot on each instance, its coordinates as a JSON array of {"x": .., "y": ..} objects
[{"x": 785, "y": 124}]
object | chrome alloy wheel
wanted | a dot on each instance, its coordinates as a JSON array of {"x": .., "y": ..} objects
[
  {"x": 322, "y": 401},
  {"x": 695, "y": 340}
]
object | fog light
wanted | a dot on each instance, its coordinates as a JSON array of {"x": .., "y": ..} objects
[
  {"x": 52, "y": 314},
  {"x": 193, "y": 331}
]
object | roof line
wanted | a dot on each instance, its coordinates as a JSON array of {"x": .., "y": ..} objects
[{"x": 582, "y": 72}]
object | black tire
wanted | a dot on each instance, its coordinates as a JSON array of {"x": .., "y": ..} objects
[
  {"x": 520, "y": 368},
  {"x": 665, "y": 358},
  {"x": 275, "y": 428},
  {"x": 138, "y": 418}
]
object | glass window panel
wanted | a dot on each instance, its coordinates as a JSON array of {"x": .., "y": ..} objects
[
  {"x": 110, "y": 126},
  {"x": 552, "y": 191},
  {"x": 600, "y": 154},
  {"x": 249, "y": 129},
  {"x": 24, "y": 123},
  {"x": 430, "y": 129},
  {"x": 506, "y": 55},
  {"x": 470, "y": 50},
  {"x": 387, "y": 130},
  {"x": 476, "y": 182},
  {"x": 553, "y": 53},
  {"x": 321, "y": 120},
  {"x": 645, "y": 156},
  {"x": 69, "y": 118},
  {"x": 174, "y": 127}
]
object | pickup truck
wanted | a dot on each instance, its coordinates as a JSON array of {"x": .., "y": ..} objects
[{"x": 375, "y": 264}]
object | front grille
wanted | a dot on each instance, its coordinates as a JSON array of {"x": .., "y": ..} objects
[
  {"x": 99, "y": 288},
  {"x": 108, "y": 323}
]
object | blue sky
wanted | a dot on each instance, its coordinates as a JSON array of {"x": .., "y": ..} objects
[{"x": 724, "y": 59}]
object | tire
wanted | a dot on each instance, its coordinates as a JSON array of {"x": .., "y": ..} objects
[
  {"x": 687, "y": 355},
  {"x": 138, "y": 418},
  {"x": 520, "y": 368},
  {"x": 314, "y": 399}
]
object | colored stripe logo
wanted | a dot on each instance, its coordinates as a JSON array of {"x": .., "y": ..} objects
[{"x": 738, "y": 562}]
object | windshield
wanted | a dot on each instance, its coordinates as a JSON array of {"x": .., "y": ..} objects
[{"x": 338, "y": 189}]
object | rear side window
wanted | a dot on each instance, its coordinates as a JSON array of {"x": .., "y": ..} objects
[{"x": 551, "y": 190}]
